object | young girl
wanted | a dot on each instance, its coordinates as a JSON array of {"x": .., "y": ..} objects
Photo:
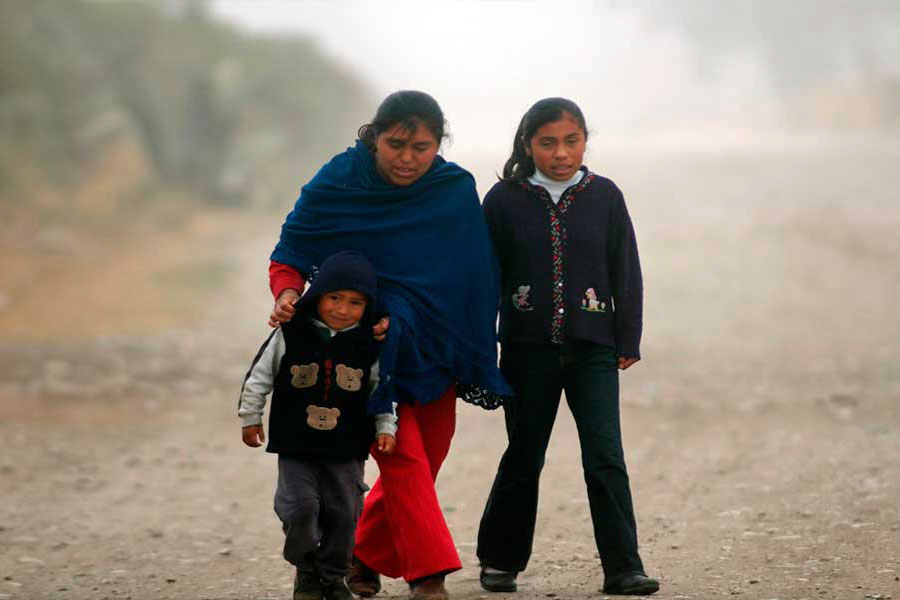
[{"x": 570, "y": 316}]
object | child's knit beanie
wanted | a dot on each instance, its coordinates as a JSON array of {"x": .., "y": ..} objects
[{"x": 344, "y": 270}]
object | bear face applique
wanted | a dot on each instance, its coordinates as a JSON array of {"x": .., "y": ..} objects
[
  {"x": 348, "y": 378},
  {"x": 321, "y": 417},
  {"x": 304, "y": 376}
]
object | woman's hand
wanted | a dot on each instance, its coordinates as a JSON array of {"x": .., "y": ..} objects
[
  {"x": 386, "y": 443},
  {"x": 379, "y": 331},
  {"x": 253, "y": 435},
  {"x": 625, "y": 362},
  {"x": 284, "y": 307}
]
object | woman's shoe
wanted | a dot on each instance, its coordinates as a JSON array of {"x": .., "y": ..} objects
[
  {"x": 495, "y": 580},
  {"x": 362, "y": 580},
  {"x": 429, "y": 588},
  {"x": 631, "y": 584}
]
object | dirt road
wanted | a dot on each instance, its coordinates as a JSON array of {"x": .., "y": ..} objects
[{"x": 762, "y": 428}]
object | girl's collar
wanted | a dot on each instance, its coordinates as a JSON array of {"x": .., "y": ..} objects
[
  {"x": 586, "y": 175},
  {"x": 540, "y": 178}
]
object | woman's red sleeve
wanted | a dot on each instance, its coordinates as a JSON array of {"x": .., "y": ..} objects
[{"x": 282, "y": 277}]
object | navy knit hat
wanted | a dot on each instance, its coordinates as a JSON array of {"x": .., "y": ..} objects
[{"x": 342, "y": 271}]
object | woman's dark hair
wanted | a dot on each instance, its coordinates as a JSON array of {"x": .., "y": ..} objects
[
  {"x": 408, "y": 107},
  {"x": 520, "y": 165}
]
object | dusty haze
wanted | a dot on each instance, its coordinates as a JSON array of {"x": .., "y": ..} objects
[{"x": 758, "y": 152}]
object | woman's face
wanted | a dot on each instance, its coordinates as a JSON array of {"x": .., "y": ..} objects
[
  {"x": 402, "y": 156},
  {"x": 558, "y": 148}
]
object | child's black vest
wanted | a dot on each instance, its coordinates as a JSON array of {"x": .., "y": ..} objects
[{"x": 320, "y": 396}]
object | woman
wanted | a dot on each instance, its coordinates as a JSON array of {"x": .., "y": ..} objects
[{"x": 417, "y": 218}]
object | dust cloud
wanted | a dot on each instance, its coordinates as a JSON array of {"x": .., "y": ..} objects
[{"x": 757, "y": 148}]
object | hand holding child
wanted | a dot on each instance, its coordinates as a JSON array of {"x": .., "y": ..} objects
[
  {"x": 379, "y": 331},
  {"x": 253, "y": 435},
  {"x": 386, "y": 443},
  {"x": 284, "y": 307}
]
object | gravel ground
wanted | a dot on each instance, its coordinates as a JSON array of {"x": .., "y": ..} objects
[{"x": 762, "y": 428}]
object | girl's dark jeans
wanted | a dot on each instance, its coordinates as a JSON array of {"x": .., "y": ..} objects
[{"x": 538, "y": 374}]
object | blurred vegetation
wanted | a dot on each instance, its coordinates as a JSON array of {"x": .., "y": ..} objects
[{"x": 108, "y": 107}]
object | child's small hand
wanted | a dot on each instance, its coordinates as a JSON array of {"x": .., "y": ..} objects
[
  {"x": 253, "y": 435},
  {"x": 386, "y": 443}
]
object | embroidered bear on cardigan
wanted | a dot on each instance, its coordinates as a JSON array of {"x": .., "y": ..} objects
[
  {"x": 304, "y": 376},
  {"x": 321, "y": 417},
  {"x": 348, "y": 378}
]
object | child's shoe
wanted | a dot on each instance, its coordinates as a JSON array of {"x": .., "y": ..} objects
[
  {"x": 362, "y": 580},
  {"x": 336, "y": 591},
  {"x": 307, "y": 586}
]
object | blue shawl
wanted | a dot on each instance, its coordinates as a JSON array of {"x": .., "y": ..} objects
[{"x": 437, "y": 274}]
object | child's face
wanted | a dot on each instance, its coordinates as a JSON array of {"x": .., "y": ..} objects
[
  {"x": 341, "y": 308},
  {"x": 558, "y": 148}
]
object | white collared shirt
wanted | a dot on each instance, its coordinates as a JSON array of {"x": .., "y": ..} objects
[{"x": 553, "y": 187}]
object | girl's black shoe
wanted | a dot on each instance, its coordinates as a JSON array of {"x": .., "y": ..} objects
[
  {"x": 631, "y": 584},
  {"x": 495, "y": 580}
]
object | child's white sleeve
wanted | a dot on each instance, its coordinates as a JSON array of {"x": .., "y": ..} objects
[
  {"x": 384, "y": 422},
  {"x": 260, "y": 380},
  {"x": 387, "y": 422}
]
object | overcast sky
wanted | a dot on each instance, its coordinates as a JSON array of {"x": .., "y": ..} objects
[
  {"x": 661, "y": 71},
  {"x": 487, "y": 61}
]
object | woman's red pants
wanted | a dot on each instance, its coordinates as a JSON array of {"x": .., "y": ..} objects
[{"x": 402, "y": 531}]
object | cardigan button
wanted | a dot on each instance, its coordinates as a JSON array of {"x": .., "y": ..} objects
[{"x": 562, "y": 310}]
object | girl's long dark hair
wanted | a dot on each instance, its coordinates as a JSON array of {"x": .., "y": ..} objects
[
  {"x": 409, "y": 107},
  {"x": 520, "y": 165}
]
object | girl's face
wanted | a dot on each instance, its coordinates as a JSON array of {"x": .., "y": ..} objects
[
  {"x": 558, "y": 148},
  {"x": 402, "y": 156}
]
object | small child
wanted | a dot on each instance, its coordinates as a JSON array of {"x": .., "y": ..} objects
[{"x": 321, "y": 368}]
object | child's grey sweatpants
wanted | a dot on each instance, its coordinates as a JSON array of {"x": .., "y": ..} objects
[{"x": 318, "y": 504}]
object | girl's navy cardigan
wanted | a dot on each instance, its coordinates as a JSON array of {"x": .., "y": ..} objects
[{"x": 570, "y": 271}]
